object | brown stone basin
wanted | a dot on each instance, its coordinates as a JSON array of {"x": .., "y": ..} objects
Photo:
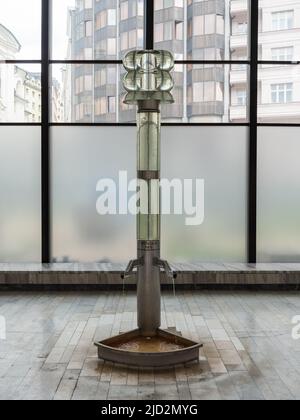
[{"x": 163, "y": 349}]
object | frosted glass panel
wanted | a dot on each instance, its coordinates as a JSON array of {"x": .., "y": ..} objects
[
  {"x": 278, "y": 194},
  {"x": 218, "y": 155},
  {"x": 81, "y": 156},
  {"x": 20, "y": 182}
]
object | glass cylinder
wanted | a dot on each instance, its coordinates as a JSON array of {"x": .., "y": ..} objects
[
  {"x": 148, "y": 219},
  {"x": 148, "y": 153}
]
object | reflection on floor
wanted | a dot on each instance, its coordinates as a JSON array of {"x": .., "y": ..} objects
[{"x": 249, "y": 352}]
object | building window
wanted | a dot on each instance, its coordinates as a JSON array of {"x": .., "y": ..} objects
[
  {"x": 168, "y": 31},
  {"x": 198, "y": 26},
  {"x": 220, "y": 25},
  {"x": 283, "y": 54},
  {"x": 111, "y": 76},
  {"x": 111, "y": 17},
  {"x": 210, "y": 24},
  {"x": 179, "y": 30},
  {"x": 100, "y": 106},
  {"x": 88, "y": 28},
  {"x": 111, "y": 46},
  {"x": 111, "y": 104},
  {"x": 80, "y": 29},
  {"x": 159, "y": 4},
  {"x": 100, "y": 77},
  {"x": 140, "y": 38},
  {"x": 241, "y": 28},
  {"x": 168, "y": 3},
  {"x": 132, "y": 39},
  {"x": 124, "y": 10},
  {"x": 159, "y": 32},
  {"x": 140, "y": 8},
  {"x": 124, "y": 41},
  {"x": 205, "y": 25},
  {"x": 88, "y": 82},
  {"x": 204, "y": 91},
  {"x": 282, "y": 93},
  {"x": 283, "y": 20},
  {"x": 101, "y": 20},
  {"x": 241, "y": 98}
]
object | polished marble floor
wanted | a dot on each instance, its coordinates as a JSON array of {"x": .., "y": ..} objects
[{"x": 248, "y": 353}]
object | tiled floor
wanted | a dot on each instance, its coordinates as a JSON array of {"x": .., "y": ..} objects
[{"x": 249, "y": 352}]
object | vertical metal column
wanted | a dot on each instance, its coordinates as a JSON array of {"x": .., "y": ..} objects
[
  {"x": 148, "y": 220},
  {"x": 45, "y": 142},
  {"x": 252, "y": 171},
  {"x": 149, "y": 24}
]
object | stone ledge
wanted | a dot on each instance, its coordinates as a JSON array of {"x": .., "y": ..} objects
[{"x": 188, "y": 274}]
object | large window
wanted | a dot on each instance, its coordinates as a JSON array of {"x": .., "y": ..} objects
[{"x": 67, "y": 86}]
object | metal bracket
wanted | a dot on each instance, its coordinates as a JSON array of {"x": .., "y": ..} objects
[
  {"x": 166, "y": 267},
  {"x": 131, "y": 266}
]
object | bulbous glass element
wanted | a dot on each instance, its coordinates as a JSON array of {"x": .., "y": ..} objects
[
  {"x": 148, "y": 76},
  {"x": 147, "y": 60}
]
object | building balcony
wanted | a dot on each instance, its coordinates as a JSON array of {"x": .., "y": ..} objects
[
  {"x": 238, "y": 77},
  {"x": 238, "y": 113},
  {"x": 238, "y": 6},
  {"x": 215, "y": 108},
  {"x": 238, "y": 40}
]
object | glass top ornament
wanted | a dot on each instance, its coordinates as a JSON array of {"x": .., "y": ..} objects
[{"x": 148, "y": 76}]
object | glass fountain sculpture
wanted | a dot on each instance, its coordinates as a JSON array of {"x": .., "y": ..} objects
[{"x": 148, "y": 83}]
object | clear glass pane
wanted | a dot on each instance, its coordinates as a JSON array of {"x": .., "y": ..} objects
[
  {"x": 93, "y": 29},
  {"x": 279, "y": 94},
  {"x": 198, "y": 30},
  {"x": 94, "y": 93},
  {"x": 20, "y": 93},
  {"x": 81, "y": 156},
  {"x": 278, "y": 194},
  {"x": 217, "y": 155},
  {"x": 279, "y": 36},
  {"x": 217, "y": 93},
  {"x": 87, "y": 93},
  {"x": 20, "y": 29},
  {"x": 20, "y": 186}
]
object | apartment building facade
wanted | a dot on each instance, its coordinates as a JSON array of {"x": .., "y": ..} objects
[
  {"x": 20, "y": 90},
  {"x": 279, "y": 40},
  {"x": 193, "y": 30}
]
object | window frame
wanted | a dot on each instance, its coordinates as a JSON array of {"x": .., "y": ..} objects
[{"x": 46, "y": 123}]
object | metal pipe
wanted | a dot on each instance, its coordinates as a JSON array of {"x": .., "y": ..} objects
[{"x": 148, "y": 220}]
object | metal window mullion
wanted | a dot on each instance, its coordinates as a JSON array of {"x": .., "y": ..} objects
[
  {"x": 252, "y": 170},
  {"x": 149, "y": 24},
  {"x": 45, "y": 135}
]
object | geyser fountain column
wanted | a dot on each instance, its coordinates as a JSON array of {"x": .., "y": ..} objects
[{"x": 148, "y": 84}]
